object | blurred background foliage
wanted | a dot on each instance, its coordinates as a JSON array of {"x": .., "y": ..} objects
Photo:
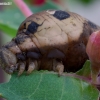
[{"x": 11, "y": 17}]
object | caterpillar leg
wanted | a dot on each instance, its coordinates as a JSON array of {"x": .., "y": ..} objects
[
  {"x": 58, "y": 67},
  {"x": 22, "y": 66},
  {"x": 32, "y": 66},
  {"x": 9, "y": 71}
]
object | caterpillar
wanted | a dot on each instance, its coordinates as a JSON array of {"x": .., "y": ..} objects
[{"x": 49, "y": 40}]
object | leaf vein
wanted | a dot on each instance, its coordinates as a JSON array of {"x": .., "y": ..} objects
[{"x": 37, "y": 86}]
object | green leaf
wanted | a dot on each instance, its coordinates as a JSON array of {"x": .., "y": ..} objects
[
  {"x": 10, "y": 21},
  {"x": 7, "y": 29},
  {"x": 86, "y": 70},
  {"x": 86, "y": 2},
  {"x": 44, "y": 85}
]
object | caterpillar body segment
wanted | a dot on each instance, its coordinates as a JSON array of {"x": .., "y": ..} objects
[{"x": 49, "y": 40}]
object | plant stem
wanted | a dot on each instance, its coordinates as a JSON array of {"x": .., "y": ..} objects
[{"x": 23, "y": 8}]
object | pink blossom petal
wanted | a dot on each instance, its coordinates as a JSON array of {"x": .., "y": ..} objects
[{"x": 23, "y": 8}]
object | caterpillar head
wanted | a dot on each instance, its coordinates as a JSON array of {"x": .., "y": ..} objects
[{"x": 7, "y": 60}]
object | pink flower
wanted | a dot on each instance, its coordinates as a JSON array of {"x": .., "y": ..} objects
[
  {"x": 93, "y": 47},
  {"x": 93, "y": 51}
]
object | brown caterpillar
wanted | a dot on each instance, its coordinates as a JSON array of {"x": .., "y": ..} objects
[{"x": 52, "y": 40}]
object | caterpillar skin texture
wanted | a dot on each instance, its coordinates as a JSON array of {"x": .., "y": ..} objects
[{"x": 49, "y": 40}]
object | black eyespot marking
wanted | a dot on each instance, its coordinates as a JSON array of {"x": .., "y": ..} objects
[
  {"x": 61, "y": 15},
  {"x": 32, "y": 28},
  {"x": 20, "y": 38},
  {"x": 27, "y": 32},
  {"x": 21, "y": 56},
  {"x": 92, "y": 25}
]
